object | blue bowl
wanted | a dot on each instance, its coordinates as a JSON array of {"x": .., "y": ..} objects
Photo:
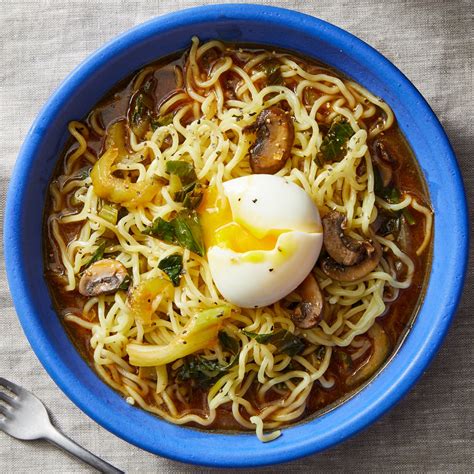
[{"x": 77, "y": 95}]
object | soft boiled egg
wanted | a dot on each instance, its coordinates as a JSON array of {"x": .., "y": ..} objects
[{"x": 263, "y": 235}]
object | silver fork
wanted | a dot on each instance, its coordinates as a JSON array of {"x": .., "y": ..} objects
[{"x": 25, "y": 417}]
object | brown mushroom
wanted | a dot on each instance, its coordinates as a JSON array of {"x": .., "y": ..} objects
[
  {"x": 348, "y": 259},
  {"x": 275, "y": 135},
  {"x": 103, "y": 277},
  {"x": 339, "y": 272},
  {"x": 309, "y": 311},
  {"x": 384, "y": 162},
  {"x": 343, "y": 249}
]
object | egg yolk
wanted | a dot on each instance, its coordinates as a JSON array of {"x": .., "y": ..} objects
[{"x": 219, "y": 227}]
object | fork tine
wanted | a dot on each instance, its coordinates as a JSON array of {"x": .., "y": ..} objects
[
  {"x": 7, "y": 399},
  {"x": 10, "y": 386},
  {"x": 5, "y": 411}
]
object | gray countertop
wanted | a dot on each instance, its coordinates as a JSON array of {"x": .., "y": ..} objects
[{"x": 431, "y": 41}]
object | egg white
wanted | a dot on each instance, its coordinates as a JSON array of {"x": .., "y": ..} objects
[
  {"x": 258, "y": 278},
  {"x": 263, "y": 201},
  {"x": 262, "y": 277}
]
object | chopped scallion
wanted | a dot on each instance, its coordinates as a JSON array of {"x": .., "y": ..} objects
[{"x": 109, "y": 212}]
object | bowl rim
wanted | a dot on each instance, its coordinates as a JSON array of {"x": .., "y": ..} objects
[{"x": 385, "y": 393}]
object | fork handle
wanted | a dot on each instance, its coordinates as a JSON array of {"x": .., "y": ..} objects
[{"x": 62, "y": 441}]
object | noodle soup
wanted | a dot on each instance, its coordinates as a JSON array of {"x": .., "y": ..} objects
[{"x": 237, "y": 238}]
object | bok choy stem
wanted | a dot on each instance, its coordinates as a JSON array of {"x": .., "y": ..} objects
[{"x": 200, "y": 333}]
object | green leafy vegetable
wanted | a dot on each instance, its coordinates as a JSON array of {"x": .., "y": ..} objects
[
  {"x": 193, "y": 198},
  {"x": 183, "y": 169},
  {"x": 188, "y": 231},
  {"x": 162, "y": 121},
  {"x": 408, "y": 216},
  {"x": 273, "y": 73},
  {"x": 228, "y": 342},
  {"x": 191, "y": 193},
  {"x": 285, "y": 341},
  {"x": 393, "y": 196},
  {"x": 183, "y": 230},
  {"x": 173, "y": 267},
  {"x": 260, "y": 338},
  {"x": 180, "y": 195},
  {"x": 143, "y": 115},
  {"x": 125, "y": 284},
  {"x": 142, "y": 111},
  {"x": 202, "y": 372},
  {"x": 334, "y": 145},
  {"x": 162, "y": 229},
  {"x": 97, "y": 255}
]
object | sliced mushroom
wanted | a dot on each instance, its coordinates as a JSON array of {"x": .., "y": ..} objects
[
  {"x": 381, "y": 349},
  {"x": 340, "y": 272},
  {"x": 275, "y": 136},
  {"x": 103, "y": 277},
  {"x": 383, "y": 161},
  {"x": 343, "y": 249},
  {"x": 309, "y": 311}
]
